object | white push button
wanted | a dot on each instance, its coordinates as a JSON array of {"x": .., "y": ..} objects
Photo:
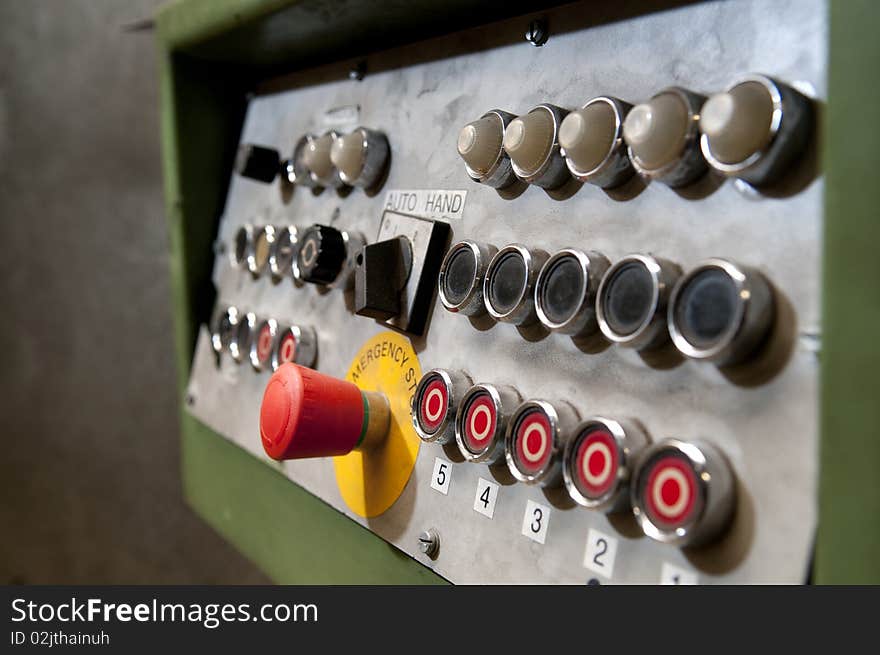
[
  {"x": 479, "y": 143},
  {"x": 657, "y": 130},
  {"x": 588, "y": 135},
  {"x": 529, "y": 140},
  {"x": 738, "y": 122},
  {"x": 347, "y": 153},
  {"x": 317, "y": 156}
]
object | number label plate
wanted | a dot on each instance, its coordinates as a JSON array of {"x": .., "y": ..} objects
[
  {"x": 487, "y": 495},
  {"x": 535, "y": 521},
  {"x": 442, "y": 475},
  {"x": 600, "y": 553}
]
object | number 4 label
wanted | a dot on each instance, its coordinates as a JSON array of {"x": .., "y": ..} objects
[
  {"x": 600, "y": 553},
  {"x": 442, "y": 475},
  {"x": 487, "y": 494},
  {"x": 535, "y": 521}
]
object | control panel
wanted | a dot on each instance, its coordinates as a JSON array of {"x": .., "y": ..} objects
[{"x": 540, "y": 312}]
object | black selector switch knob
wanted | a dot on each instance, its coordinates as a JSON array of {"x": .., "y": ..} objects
[
  {"x": 322, "y": 255},
  {"x": 381, "y": 274},
  {"x": 257, "y": 162}
]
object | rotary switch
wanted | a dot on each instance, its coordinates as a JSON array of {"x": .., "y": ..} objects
[
  {"x": 361, "y": 157},
  {"x": 480, "y": 145},
  {"x": 721, "y": 312},
  {"x": 632, "y": 301},
  {"x": 435, "y": 403},
  {"x": 324, "y": 254},
  {"x": 683, "y": 493},
  {"x": 565, "y": 292},
  {"x": 481, "y": 422},
  {"x": 308, "y": 414},
  {"x": 532, "y": 142},
  {"x": 592, "y": 142},
  {"x": 257, "y": 162},
  {"x": 535, "y": 441},
  {"x": 663, "y": 137},
  {"x": 755, "y": 128},
  {"x": 598, "y": 462}
]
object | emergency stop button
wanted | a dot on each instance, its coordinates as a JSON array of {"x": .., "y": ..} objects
[{"x": 308, "y": 414}]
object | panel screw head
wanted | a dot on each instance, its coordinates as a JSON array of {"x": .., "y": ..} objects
[
  {"x": 537, "y": 33},
  {"x": 429, "y": 542}
]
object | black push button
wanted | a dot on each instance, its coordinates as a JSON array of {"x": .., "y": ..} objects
[{"x": 257, "y": 162}]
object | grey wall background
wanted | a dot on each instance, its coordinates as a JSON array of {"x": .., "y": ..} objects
[{"x": 89, "y": 479}]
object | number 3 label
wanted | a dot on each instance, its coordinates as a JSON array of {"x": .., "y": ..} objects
[
  {"x": 487, "y": 494},
  {"x": 600, "y": 553},
  {"x": 535, "y": 521},
  {"x": 441, "y": 477}
]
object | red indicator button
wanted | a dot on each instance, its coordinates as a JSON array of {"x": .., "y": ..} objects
[
  {"x": 287, "y": 348},
  {"x": 671, "y": 492},
  {"x": 433, "y": 404},
  {"x": 480, "y": 422},
  {"x": 308, "y": 414},
  {"x": 596, "y": 463},
  {"x": 533, "y": 442},
  {"x": 264, "y": 343}
]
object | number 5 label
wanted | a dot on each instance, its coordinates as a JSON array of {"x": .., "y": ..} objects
[
  {"x": 535, "y": 521},
  {"x": 442, "y": 475},
  {"x": 600, "y": 553},
  {"x": 487, "y": 494}
]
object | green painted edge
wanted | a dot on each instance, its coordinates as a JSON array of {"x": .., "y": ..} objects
[
  {"x": 293, "y": 536},
  {"x": 848, "y": 540},
  {"x": 186, "y": 22}
]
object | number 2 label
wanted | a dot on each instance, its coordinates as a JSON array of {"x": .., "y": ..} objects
[
  {"x": 600, "y": 553},
  {"x": 487, "y": 494},
  {"x": 535, "y": 521},
  {"x": 441, "y": 477}
]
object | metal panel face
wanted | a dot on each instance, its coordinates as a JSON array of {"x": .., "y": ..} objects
[{"x": 767, "y": 429}]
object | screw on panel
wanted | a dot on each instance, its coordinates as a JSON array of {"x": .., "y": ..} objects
[
  {"x": 429, "y": 543},
  {"x": 358, "y": 71},
  {"x": 537, "y": 33}
]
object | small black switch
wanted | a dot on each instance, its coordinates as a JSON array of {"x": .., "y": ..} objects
[
  {"x": 321, "y": 255},
  {"x": 257, "y": 162},
  {"x": 381, "y": 273}
]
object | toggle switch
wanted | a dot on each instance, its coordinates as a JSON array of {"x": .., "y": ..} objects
[
  {"x": 461, "y": 277},
  {"x": 632, "y": 301},
  {"x": 295, "y": 345},
  {"x": 480, "y": 145},
  {"x": 241, "y": 337},
  {"x": 435, "y": 403},
  {"x": 325, "y": 255},
  {"x": 663, "y": 137},
  {"x": 258, "y": 256},
  {"x": 225, "y": 326},
  {"x": 481, "y": 422},
  {"x": 360, "y": 157},
  {"x": 565, "y": 291},
  {"x": 308, "y": 414},
  {"x": 509, "y": 285},
  {"x": 263, "y": 344},
  {"x": 382, "y": 270},
  {"x": 597, "y": 463},
  {"x": 755, "y": 128},
  {"x": 257, "y": 162},
  {"x": 592, "y": 142},
  {"x": 721, "y": 312},
  {"x": 683, "y": 493},
  {"x": 531, "y": 142},
  {"x": 283, "y": 251},
  {"x": 535, "y": 441}
]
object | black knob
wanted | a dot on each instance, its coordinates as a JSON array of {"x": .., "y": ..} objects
[
  {"x": 321, "y": 255},
  {"x": 257, "y": 162},
  {"x": 381, "y": 273}
]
